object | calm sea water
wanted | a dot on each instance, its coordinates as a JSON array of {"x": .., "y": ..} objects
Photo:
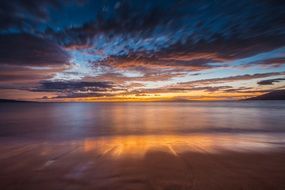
[{"x": 82, "y": 120}]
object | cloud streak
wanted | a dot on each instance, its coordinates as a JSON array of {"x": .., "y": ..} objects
[
  {"x": 270, "y": 81},
  {"x": 82, "y": 48}
]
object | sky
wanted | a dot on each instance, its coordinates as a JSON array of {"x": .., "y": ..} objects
[{"x": 141, "y": 50}]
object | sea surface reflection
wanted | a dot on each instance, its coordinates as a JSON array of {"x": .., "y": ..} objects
[
  {"x": 83, "y": 120},
  {"x": 138, "y": 146}
]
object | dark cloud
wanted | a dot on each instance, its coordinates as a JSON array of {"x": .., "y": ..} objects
[
  {"x": 270, "y": 81},
  {"x": 25, "y": 60},
  {"x": 27, "y": 50},
  {"x": 84, "y": 95},
  {"x": 154, "y": 76},
  {"x": 27, "y": 15},
  {"x": 25, "y": 77},
  {"x": 65, "y": 86},
  {"x": 121, "y": 17},
  {"x": 274, "y": 62},
  {"x": 231, "y": 48},
  {"x": 183, "y": 27},
  {"x": 146, "y": 32},
  {"x": 230, "y": 79},
  {"x": 24, "y": 14},
  {"x": 79, "y": 89},
  {"x": 175, "y": 62}
]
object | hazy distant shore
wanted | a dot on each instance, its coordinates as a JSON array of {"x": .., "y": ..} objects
[{"x": 273, "y": 95}]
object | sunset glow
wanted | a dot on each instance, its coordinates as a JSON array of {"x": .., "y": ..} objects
[{"x": 118, "y": 51}]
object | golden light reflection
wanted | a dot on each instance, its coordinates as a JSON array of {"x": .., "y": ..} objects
[{"x": 138, "y": 146}]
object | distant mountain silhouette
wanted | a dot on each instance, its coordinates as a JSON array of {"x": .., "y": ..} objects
[
  {"x": 11, "y": 101},
  {"x": 274, "y": 95}
]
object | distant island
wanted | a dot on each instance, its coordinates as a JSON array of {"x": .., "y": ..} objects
[{"x": 274, "y": 95}]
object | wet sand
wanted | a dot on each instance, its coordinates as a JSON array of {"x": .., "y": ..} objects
[{"x": 200, "y": 161}]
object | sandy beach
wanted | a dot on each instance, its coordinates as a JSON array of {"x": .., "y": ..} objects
[{"x": 216, "y": 161}]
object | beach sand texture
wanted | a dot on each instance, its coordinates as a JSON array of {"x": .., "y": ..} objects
[{"x": 144, "y": 162}]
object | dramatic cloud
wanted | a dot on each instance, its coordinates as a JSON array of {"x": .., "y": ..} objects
[
  {"x": 10, "y": 76},
  {"x": 231, "y": 79},
  {"x": 176, "y": 62},
  {"x": 82, "y": 48},
  {"x": 25, "y": 60},
  {"x": 27, "y": 50},
  {"x": 74, "y": 89},
  {"x": 270, "y": 81},
  {"x": 153, "y": 76},
  {"x": 275, "y": 62},
  {"x": 25, "y": 15},
  {"x": 60, "y": 86}
]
